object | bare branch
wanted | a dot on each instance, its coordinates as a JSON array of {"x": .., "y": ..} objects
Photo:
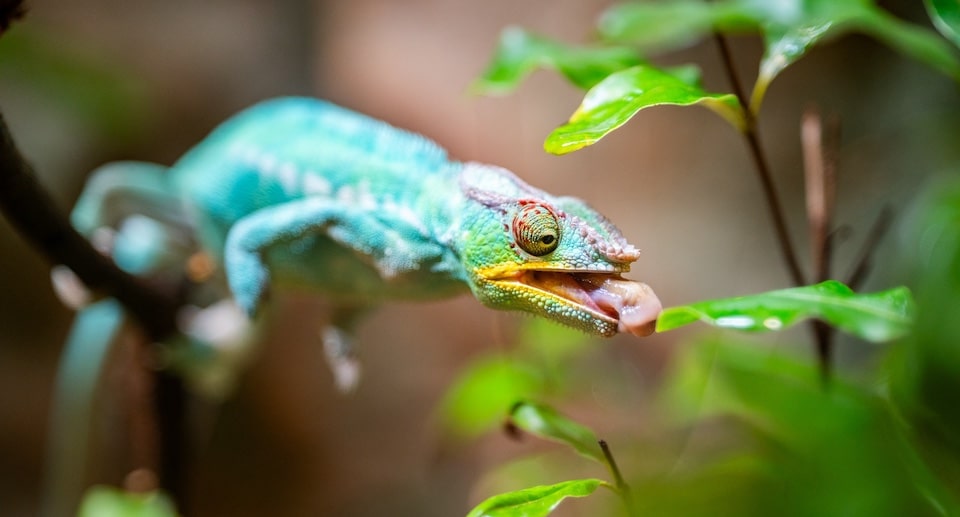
[
  {"x": 820, "y": 191},
  {"x": 865, "y": 258},
  {"x": 819, "y": 166},
  {"x": 774, "y": 206},
  {"x": 10, "y": 11},
  {"x": 33, "y": 214}
]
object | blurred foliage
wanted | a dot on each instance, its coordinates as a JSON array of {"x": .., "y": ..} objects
[
  {"x": 800, "y": 448},
  {"x": 101, "y": 501},
  {"x": 925, "y": 369},
  {"x": 93, "y": 89},
  {"x": 538, "y": 365},
  {"x": 520, "y": 53}
]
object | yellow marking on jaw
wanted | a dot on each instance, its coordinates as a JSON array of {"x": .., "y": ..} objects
[
  {"x": 506, "y": 275},
  {"x": 509, "y": 269}
]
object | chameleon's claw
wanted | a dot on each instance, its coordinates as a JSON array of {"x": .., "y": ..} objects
[
  {"x": 69, "y": 288},
  {"x": 220, "y": 324},
  {"x": 340, "y": 354}
]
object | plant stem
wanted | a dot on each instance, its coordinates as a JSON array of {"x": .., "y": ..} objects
[
  {"x": 774, "y": 207},
  {"x": 622, "y": 488},
  {"x": 865, "y": 260},
  {"x": 819, "y": 167},
  {"x": 820, "y": 180}
]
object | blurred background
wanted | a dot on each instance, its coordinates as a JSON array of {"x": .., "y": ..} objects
[{"x": 89, "y": 81}]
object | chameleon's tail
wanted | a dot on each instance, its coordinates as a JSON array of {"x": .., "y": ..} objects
[{"x": 68, "y": 437}]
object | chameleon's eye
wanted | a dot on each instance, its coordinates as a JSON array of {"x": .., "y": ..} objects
[{"x": 536, "y": 229}]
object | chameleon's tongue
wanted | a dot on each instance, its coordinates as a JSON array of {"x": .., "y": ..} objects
[{"x": 633, "y": 303}]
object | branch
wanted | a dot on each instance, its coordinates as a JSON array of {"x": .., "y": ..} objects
[
  {"x": 622, "y": 488},
  {"x": 10, "y": 11},
  {"x": 865, "y": 260},
  {"x": 33, "y": 214},
  {"x": 774, "y": 207},
  {"x": 819, "y": 167}
]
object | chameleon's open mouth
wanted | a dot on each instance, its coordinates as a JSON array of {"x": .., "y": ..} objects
[{"x": 627, "y": 305}]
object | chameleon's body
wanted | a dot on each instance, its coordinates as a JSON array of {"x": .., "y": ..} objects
[{"x": 304, "y": 194}]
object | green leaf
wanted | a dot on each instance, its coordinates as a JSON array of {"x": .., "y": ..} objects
[
  {"x": 874, "y": 317},
  {"x": 547, "y": 423},
  {"x": 519, "y": 53},
  {"x": 912, "y": 40},
  {"x": 946, "y": 17},
  {"x": 102, "y": 501},
  {"x": 485, "y": 391},
  {"x": 535, "y": 501},
  {"x": 616, "y": 99},
  {"x": 783, "y": 47}
]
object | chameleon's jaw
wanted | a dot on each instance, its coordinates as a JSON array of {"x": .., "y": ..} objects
[{"x": 599, "y": 302}]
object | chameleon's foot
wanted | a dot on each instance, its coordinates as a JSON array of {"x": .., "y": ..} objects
[
  {"x": 339, "y": 351},
  {"x": 69, "y": 288},
  {"x": 219, "y": 344}
]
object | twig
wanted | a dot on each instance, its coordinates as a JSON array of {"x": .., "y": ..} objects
[
  {"x": 32, "y": 212},
  {"x": 622, "y": 488},
  {"x": 819, "y": 166},
  {"x": 870, "y": 244},
  {"x": 774, "y": 207},
  {"x": 820, "y": 181},
  {"x": 10, "y": 11}
]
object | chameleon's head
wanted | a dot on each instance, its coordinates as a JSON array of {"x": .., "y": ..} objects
[{"x": 526, "y": 250}]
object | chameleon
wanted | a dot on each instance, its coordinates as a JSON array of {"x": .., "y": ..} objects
[{"x": 301, "y": 194}]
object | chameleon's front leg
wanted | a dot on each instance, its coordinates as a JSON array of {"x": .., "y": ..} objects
[{"x": 283, "y": 232}]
